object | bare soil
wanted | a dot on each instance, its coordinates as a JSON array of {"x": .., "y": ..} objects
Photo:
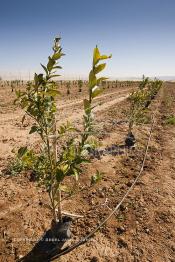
[{"x": 144, "y": 228}]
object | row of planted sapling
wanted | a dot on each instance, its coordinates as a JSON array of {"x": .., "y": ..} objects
[
  {"x": 80, "y": 85},
  {"x": 74, "y": 83},
  {"x": 118, "y": 83},
  {"x": 139, "y": 101},
  {"x": 15, "y": 83},
  {"x": 68, "y": 85},
  {"x": 63, "y": 148},
  {"x": 137, "y": 114}
]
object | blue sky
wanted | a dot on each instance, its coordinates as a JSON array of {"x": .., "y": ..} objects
[{"x": 139, "y": 33}]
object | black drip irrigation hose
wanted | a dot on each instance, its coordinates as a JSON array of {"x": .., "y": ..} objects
[{"x": 91, "y": 234}]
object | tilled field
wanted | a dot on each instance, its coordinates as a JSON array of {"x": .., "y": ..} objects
[{"x": 142, "y": 230}]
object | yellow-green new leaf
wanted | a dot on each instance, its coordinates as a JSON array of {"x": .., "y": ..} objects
[
  {"x": 64, "y": 168},
  {"x": 99, "y": 68},
  {"x": 92, "y": 79},
  {"x": 52, "y": 92},
  {"x": 103, "y": 57},
  {"x": 96, "y": 91},
  {"x": 56, "y": 56},
  {"x": 96, "y": 56},
  {"x": 64, "y": 188},
  {"x": 75, "y": 174}
]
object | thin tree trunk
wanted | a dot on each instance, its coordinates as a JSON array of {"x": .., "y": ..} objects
[{"x": 55, "y": 162}]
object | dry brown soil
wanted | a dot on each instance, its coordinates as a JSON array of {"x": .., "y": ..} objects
[{"x": 144, "y": 228}]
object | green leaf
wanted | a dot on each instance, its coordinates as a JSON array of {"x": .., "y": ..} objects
[
  {"x": 96, "y": 56},
  {"x": 33, "y": 129},
  {"x": 65, "y": 168},
  {"x": 51, "y": 76},
  {"x": 36, "y": 79},
  {"x": 64, "y": 188},
  {"x": 96, "y": 91},
  {"x": 92, "y": 79},
  {"x": 52, "y": 92},
  {"x": 56, "y": 56},
  {"x": 59, "y": 175},
  {"x": 76, "y": 174},
  {"x": 57, "y": 67},
  {"x": 97, "y": 177},
  {"x": 99, "y": 68},
  {"x": 61, "y": 130},
  {"x": 45, "y": 69},
  {"x": 50, "y": 64},
  {"x": 40, "y": 78},
  {"x": 22, "y": 151},
  {"x": 17, "y": 92},
  {"x": 103, "y": 57}
]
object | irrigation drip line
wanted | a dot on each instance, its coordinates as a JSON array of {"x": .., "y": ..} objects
[{"x": 91, "y": 234}]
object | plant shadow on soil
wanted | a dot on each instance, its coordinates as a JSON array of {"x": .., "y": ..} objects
[
  {"x": 114, "y": 150},
  {"x": 50, "y": 243}
]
